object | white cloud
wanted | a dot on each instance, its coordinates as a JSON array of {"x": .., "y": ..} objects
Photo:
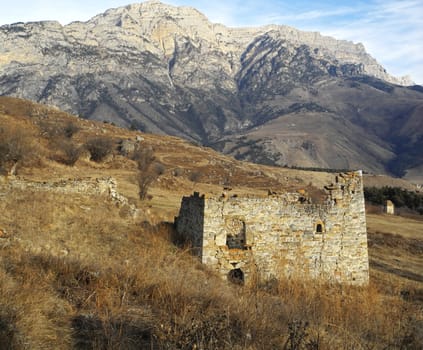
[
  {"x": 312, "y": 15},
  {"x": 391, "y": 32}
]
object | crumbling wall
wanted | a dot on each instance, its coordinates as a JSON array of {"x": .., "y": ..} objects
[
  {"x": 284, "y": 234},
  {"x": 106, "y": 186},
  {"x": 190, "y": 221}
]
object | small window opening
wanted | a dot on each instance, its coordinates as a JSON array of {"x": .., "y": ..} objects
[
  {"x": 236, "y": 276},
  {"x": 235, "y": 237},
  {"x": 319, "y": 228}
]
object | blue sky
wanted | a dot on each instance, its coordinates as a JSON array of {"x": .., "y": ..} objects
[{"x": 391, "y": 30}]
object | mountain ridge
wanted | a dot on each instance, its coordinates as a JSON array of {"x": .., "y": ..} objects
[{"x": 166, "y": 69}]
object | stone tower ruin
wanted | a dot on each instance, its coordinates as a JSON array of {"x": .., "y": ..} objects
[{"x": 249, "y": 238}]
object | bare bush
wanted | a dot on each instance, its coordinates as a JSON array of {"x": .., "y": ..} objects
[
  {"x": 144, "y": 157},
  {"x": 194, "y": 177},
  {"x": 159, "y": 169},
  {"x": 54, "y": 130},
  {"x": 177, "y": 172},
  {"x": 16, "y": 148},
  {"x": 99, "y": 148},
  {"x": 145, "y": 180},
  {"x": 70, "y": 152},
  {"x": 70, "y": 129},
  {"x": 148, "y": 169}
]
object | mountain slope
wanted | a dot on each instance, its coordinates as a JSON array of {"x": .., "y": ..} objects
[
  {"x": 78, "y": 271},
  {"x": 167, "y": 69}
]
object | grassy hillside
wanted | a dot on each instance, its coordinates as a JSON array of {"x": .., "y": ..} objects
[{"x": 78, "y": 271}]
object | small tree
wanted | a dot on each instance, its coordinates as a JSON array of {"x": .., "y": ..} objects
[{"x": 148, "y": 169}]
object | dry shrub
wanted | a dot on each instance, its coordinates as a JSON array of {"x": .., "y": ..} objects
[
  {"x": 17, "y": 148},
  {"x": 59, "y": 137},
  {"x": 99, "y": 148},
  {"x": 148, "y": 170},
  {"x": 70, "y": 129},
  {"x": 69, "y": 151},
  {"x": 53, "y": 129},
  {"x": 373, "y": 209}
]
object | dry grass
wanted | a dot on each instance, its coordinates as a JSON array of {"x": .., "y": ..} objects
[
  {"x": 164, "y": 300},
  {"x": 76, "y": 272},
  {"x": 76, "y": 275},
  {"x": 396, "y": 256}
]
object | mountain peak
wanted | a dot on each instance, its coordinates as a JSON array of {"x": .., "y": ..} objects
[
  {"x": 152, "y": 9},
  {"x": 153, "y": 21},
  {"x": 166, "y": 69}
]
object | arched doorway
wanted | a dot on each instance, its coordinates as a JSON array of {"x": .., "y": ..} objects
[{"x": 236, "y": 276}]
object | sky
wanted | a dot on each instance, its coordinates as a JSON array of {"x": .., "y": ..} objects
[{"x": 391, "y": 30}]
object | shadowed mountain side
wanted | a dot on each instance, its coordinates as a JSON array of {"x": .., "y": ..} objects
[{"x": 168, "y": 70}]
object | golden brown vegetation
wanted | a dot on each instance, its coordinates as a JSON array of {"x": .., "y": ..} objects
[
  {"x": 77, "y": 272},
  {"x": 129, "y": 287}
]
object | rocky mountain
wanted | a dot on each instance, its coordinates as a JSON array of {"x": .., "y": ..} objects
[{"x": 272, "y": 94}]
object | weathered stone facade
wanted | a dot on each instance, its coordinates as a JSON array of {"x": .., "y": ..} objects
[{"x": 266, "y": 237}]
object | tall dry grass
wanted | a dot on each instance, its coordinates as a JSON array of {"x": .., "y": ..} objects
[{"x": 164, "y": 299}]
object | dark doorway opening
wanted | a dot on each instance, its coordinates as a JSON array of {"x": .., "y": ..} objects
[{"x": 236, "y": 276}]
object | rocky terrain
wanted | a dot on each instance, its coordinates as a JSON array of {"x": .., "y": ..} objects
[{"x": 273, "y": 95}]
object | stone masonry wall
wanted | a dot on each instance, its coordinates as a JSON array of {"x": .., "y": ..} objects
[
  {"x": 99, "y": 186},
  {"x": 191, "y": 221},
  {"x": 282, "y": 234}
]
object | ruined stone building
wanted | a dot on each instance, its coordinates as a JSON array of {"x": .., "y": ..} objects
[
  {"x": 249, "y": 238},
  {"x": 389, "y": 207}
]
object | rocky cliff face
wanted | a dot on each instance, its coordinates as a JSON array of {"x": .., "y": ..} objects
[{"x": 167, "y": 69}]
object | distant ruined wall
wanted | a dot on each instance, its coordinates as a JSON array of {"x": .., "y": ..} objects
[
  {"x": 99, "y": 186},
  {"x": 278, "y": 235},
  {"x": 389, "y": 207}
]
